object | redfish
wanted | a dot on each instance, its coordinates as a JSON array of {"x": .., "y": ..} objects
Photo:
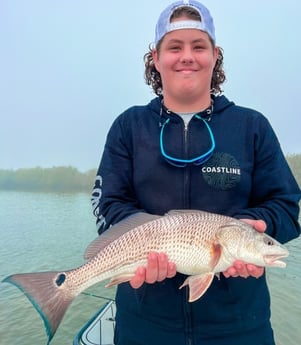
[{"x": 201, "y": 244}]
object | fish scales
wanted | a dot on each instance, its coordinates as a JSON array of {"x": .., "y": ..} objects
[
  {"x": 201, "y": 244},
  {"x": 176, "y": 235}
]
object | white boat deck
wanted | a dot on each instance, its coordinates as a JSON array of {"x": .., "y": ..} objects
[{"x": 100, "y": 329}]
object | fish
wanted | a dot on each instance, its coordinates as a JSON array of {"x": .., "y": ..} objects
[{"x": 201, "y": 244}]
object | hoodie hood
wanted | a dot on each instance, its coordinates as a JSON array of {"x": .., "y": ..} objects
[{"x": 220, "y": 104}]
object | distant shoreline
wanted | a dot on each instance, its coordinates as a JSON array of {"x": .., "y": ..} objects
[
  {"x": 55, "y": 179},
  {"x": 70, "y": 179}
]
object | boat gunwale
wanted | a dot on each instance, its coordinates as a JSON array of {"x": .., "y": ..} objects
[{"x": 97, "y": 316}]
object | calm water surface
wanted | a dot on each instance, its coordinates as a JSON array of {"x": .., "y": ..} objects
[{"x": 51, "y": 231}]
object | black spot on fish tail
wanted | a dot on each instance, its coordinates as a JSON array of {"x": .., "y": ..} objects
[
  {"x": 60, "y": 279},
  {"x": 50, "y": 301}
]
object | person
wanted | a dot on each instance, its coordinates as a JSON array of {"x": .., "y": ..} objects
[{"x": 192, "y": 148}]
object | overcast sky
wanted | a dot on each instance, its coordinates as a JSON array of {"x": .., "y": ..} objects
[{"x": 69, "y": 67}]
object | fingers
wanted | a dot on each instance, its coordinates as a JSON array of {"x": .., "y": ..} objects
[
  {"x": 255, "y": 271},
  {"x": 139, "y": 278},
  {"x": 157, "y": 269},
  {"x": 237, "y": 270},
  {"x": 230, "y": 272},
  {"x": 171, "y": 270},
  {"x": 259, "y": 225},
  {"x": 240, "y": 269}
]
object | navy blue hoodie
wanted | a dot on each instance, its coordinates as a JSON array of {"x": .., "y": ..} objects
[{"x": 247, "y": 177}]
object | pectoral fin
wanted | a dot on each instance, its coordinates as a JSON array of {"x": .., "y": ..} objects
[
  {"x": 120, "y": 279},
  {"x": 198, "y": 285}
]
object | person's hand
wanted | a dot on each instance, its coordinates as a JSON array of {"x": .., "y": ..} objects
[
  {"x": 239, "y": 268},
  {"x": 157, "y": 269}
]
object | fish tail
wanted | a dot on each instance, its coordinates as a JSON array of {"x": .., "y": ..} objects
[{"x": 47, "y": 293}]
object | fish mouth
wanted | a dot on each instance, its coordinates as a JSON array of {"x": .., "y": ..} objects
[{"x": 273, "y": 260}]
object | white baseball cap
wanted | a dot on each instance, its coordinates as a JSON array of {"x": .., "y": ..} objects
[{"x": 164, "y": 25}]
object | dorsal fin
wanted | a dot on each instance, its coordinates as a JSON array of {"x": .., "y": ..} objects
[{"x": 116, "y": 231}]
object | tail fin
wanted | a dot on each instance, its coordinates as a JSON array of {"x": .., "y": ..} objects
[{"x": 47, "y": 293}]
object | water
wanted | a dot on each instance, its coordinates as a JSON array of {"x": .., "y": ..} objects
[
  {"x": 51, "y": 231},
  {"x": 43, "y": 232}
]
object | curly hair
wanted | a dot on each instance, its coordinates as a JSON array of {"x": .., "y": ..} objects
[{"x": 152, "y": 76}]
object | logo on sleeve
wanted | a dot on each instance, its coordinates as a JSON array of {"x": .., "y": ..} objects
[{"x": 222, "y": 171}]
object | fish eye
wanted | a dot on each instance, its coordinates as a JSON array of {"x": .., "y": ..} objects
[{"x": 268, "y": 241}]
